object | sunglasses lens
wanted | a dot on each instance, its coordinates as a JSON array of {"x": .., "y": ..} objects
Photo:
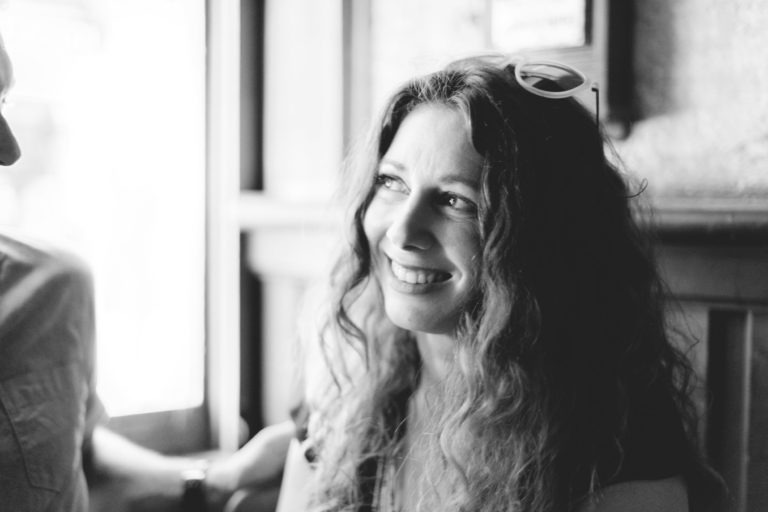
[{"x": 550, "y": 77}]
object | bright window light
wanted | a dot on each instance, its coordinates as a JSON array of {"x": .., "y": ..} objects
[{"x": 109, "y": 108}]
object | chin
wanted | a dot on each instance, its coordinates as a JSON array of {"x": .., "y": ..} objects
[{"x": 432, "y": 320}]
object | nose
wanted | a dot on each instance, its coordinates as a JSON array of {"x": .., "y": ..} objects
[
  {"x": 411, "y": 227},
  {"x": 9, "y": 148}
]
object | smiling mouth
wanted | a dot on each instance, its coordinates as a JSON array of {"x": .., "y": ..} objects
[{"x": 417, "y": 276}]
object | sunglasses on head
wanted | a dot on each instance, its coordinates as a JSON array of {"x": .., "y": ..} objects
[{"x": 555, "y": 80}]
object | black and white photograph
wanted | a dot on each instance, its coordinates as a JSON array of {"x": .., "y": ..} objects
[{"x": 383, "y": 256}]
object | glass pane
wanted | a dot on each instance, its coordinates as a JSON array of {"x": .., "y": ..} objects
[
  {"x": 410, "y": 37},
  {"x": 536, "y": 24},
  {"x": 109, "y": 108}
]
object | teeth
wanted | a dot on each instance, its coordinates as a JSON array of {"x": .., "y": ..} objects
[{"x": 411, "y": 276}]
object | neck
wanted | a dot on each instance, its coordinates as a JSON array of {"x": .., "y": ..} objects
[
  {"x": 436, "y": 351},
  {"x": 414, "y": 483}
]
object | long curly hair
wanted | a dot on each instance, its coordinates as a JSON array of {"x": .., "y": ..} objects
[{"x": 563, "y": 357}]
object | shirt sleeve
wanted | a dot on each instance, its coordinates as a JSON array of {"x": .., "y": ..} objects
[
  {"x": 47, "y": 318},
  {"x": 81, "y": 294}
]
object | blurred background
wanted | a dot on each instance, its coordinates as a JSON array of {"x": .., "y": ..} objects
[
  {"x": 188, "y": 150},
  {"x": 109, "y": 109}
]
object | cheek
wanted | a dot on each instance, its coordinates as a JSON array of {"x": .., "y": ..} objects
[
  {"x": 374, "y": 223},
  {"x": 373, "y": 231},
  {"x": 369, "y": 225},
  {"x": 473, "y": 266},
  {"x": 468, "y": 246}
]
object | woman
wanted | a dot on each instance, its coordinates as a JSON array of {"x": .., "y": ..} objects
[{"x": 510, "y": 350}]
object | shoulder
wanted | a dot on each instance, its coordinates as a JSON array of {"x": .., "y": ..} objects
[
  {"x": 655, "y": 446},
  {"x": 38, "y": 263},
  {"x": 35, "y": 278},
  {"x": 665, "y": 495}
]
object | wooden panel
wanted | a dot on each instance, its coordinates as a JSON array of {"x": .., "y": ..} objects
[
  {"x": 731, "y": 275},
  {"x": 729, "y": 376},
  {"x": 757, "y": 494},
  {"x": 180, "y": 431},
  {"x": 710, "y": 220},
  {"x": 689, "y": 324}
]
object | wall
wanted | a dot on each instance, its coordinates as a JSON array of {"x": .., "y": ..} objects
[
  {"x": 687, "y": 140},
  {"x": 701, "y": 79}
]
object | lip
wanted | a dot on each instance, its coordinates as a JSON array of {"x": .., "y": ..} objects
[{"x": 413, "y": 288}]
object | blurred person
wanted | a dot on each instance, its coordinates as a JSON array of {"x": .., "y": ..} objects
[
  {"x": 494, "y": 334},
  {"x": 52, "y": 423},
  {"x": 9, "y": 147}
]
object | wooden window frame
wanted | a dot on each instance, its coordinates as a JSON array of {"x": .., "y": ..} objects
[{"x": 605, "y": 58}]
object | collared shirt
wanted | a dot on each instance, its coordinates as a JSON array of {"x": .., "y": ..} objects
[{"x": 48, "y": 403}]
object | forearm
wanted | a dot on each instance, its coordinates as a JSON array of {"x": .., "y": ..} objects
[
  {"x": 259, "y": 462},
  {"x": 116, "y": 456},
  {"x": 142, "y": 479},
  {"x": 129, "y": 477}
]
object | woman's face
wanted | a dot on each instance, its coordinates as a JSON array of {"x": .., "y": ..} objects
[{"x": 422, "y": 223}]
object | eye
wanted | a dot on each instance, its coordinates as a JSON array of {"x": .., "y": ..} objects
[
  {"x": 458, "y": 203},
  {"x": 391, "y": 183}
]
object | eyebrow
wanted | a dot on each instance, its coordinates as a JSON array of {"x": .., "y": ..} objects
[
  {"x": 396, "y": 165},
  {"x": 451, "y": 178},
  {"x": 463, "y": 180}
]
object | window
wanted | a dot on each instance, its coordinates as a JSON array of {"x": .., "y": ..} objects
[
  {"x": 384, "y": 47},
  {"x": 438, "y": 31},
  {"x": 109, "y": 108}
]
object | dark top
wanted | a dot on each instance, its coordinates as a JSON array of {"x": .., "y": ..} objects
[
  {"x": 655, "y": 447},
  {"x": 48, "y": 403}
]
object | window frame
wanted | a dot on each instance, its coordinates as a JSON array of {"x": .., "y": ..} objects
[
  {"x": 605, "y": 58},
  {"x": 216, "y": 423}
]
